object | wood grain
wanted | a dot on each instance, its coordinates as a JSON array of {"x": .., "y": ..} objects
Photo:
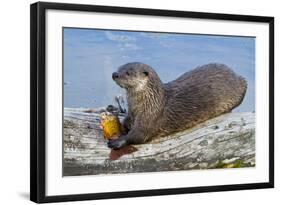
[{"x": 224, "y": 142}]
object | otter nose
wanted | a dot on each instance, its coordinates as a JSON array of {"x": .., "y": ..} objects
[{"x": 115, "y": 75}]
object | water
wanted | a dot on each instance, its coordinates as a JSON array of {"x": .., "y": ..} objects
[{"x": 90, "y": 57}]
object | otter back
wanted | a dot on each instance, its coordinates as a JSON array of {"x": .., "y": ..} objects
[{"x": 201, "y": 94}]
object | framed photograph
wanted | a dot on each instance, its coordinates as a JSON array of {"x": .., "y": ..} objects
[{"x": 129, "y": 102}]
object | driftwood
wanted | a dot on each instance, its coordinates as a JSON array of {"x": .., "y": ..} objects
[{"x": 223, "y": 142}]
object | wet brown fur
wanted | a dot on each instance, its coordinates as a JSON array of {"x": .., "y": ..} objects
[{"x": 158, "y": 109}]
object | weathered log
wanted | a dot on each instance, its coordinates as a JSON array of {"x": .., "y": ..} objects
[{"x": 223, "y": 142}]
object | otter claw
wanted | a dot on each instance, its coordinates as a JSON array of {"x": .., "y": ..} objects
[{"x": 116, "y": 144}]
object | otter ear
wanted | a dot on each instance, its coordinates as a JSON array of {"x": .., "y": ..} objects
[{"x": 145, "y": 73}]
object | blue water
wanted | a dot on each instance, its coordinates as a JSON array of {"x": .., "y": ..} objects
[{"x": 90, "y": 57}]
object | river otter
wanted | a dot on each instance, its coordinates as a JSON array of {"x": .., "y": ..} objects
[{"x": 158, "y": 109}]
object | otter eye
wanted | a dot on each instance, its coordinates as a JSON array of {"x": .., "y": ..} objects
[
  {"x": 127, "y": 73},
  {"x": 145, "y": 73}
]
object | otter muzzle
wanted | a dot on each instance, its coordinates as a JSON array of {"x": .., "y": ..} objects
[{"x": 115, "y": 75}]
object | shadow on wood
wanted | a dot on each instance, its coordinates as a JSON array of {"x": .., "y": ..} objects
[{"x": 227, "y": 141}]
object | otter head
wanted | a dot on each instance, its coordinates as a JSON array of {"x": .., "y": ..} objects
[{"x": 134, "y": 76}]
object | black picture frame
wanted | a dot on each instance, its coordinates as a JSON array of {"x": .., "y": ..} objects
[{"x": 38, "y": 101}]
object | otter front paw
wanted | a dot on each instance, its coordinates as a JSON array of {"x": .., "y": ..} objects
[{"x": 116, "y": 143}]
